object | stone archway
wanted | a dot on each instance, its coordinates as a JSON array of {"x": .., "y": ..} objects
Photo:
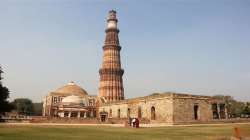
[
  {"x": 196, "y": 115},
  {"x": 118, "y": 113},
  {"x": 153, "y": 116},
  {"x": 103, "y": 116}
]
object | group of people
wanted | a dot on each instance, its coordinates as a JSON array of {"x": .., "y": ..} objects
[{"x": 133, "y": 122}]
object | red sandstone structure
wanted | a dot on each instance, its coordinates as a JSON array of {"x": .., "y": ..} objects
[{"x": 111, "y": 84}]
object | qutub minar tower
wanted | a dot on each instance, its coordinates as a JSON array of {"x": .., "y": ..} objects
[{"x": 111, "y": 83}]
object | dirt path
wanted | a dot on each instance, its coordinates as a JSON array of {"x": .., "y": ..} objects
[{"x": 121, "y": 125}]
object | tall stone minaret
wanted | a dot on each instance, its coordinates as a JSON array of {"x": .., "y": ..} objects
[{"x": 111, "y": 84}]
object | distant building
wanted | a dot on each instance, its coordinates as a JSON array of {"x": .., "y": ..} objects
[{"x": 111, "y": 105}]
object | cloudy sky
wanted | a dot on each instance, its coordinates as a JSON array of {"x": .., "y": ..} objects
[{"x": 195, "y": 46}]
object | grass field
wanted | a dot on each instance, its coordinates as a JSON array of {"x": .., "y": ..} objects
[{"x": 39, "y": 132}]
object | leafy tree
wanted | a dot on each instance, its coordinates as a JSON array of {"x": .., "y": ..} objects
[
  {"x": 153, "y": 94},
  {"x": 4, "y": 95},
  {"x": 246, "y": 109},
  {"x": 23, "y": 106}
]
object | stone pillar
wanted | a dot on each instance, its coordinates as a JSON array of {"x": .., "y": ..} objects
[
  {"x": 69, "y": 114},
  {"x": 85, "y": 114},
  {"x": 78, "y": 114},
  {"x": 62, "y": 114},
  {"x": 226, "y": 112},
  {"x": 218, "y": 110},
  {"x": 91, "y": 113}
]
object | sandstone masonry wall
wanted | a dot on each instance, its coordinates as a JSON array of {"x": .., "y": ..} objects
[
  {"x": 168, "y": 108},
  {"x": 184, "y": 110}
]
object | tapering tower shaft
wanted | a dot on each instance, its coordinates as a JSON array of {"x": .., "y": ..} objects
[{"x": 111, "y": 83}]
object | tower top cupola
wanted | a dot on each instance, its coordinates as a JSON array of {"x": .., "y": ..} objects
[{"x": 112, "y": 20}]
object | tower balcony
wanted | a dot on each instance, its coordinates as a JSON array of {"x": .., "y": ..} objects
[{"x": 111, "y": 71}]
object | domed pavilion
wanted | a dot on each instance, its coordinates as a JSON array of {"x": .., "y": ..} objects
[{"x": 70, "y": 101}]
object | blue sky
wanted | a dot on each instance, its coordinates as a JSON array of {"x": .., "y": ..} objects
[{"x": 196, "y": 46}]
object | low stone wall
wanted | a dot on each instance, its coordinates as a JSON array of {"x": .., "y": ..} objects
[
  {"x": 65, "y": 120},
  {"x": 124, "y": 120},
  {"x": 15, "y": 120}
]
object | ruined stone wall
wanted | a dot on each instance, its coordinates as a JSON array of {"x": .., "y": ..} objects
[
  {"x": 184, "y": 110},
  {"x": 163, "y": 109},
  {"x": 169, "y": 108}
]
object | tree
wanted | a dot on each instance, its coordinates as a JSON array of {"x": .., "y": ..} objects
[
  {"x": 246, "y": 109},
  {"x": 4, "y": 95},
  {"x": 23, "y": 106},
  {"x": 153, "y": 94}
]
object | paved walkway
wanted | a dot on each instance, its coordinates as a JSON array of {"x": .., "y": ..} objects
[
  {"x": 209, "y": 124},
  {"x": 63, "y": 124}
]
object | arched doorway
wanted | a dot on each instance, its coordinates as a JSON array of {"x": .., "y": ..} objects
[
  {"x": 110, "y": 113},
  {"x": 103, "y": 116},
  {"x": 139, "y": 112},
  {"x": 215, "y": 111},
  {"x": 118, "y": 113},
  {"x": 153, "y": 113},
  {"x": 196, "y": 107}
]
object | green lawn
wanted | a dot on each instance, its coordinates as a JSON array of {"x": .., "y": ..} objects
[{"x": 28, "y": 132}]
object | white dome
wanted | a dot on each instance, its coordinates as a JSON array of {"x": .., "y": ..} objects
[{"x": 72, "y": 99}]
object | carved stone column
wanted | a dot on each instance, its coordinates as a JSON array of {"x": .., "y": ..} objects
[
  {"x": 69, "y": 115},
  {"x": 78, "y": 114},
  {"x": 85, "y": 115},
  {"x": 218, "y": 110}
]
